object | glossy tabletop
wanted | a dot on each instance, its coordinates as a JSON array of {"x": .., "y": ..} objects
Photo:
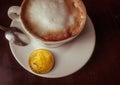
[{"x": 103, "y": 68}]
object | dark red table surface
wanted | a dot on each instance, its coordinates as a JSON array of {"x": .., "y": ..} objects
[{"x": 102, "y": 69}]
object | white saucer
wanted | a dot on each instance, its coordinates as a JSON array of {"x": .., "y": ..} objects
[{"x": 69, "y": 58}]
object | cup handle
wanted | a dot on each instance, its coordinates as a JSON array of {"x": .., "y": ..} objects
[{"x": 13, "y": 12}]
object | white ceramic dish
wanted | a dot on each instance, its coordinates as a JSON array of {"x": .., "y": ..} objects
[{"x": 69, "y": 57}]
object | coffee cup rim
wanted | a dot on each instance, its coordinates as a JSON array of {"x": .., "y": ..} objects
[{"x": 49, "y": 41}]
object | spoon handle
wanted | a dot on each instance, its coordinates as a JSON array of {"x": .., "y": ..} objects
[{"x": 3, "y": 28}]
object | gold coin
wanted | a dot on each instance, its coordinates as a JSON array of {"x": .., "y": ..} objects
[{"x": 41, "y": 61}]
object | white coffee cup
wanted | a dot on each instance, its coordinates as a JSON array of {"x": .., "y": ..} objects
[{"x": 14, "y": 12}]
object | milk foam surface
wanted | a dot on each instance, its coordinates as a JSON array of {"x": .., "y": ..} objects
[
  {"x": 50, "y": 15},
  {"x": 53, "y": 20}
]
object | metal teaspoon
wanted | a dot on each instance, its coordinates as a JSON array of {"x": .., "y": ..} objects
[{"x": 15, "y": 36}]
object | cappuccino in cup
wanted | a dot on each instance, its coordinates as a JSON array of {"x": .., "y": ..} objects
[{"x": 53, "y": 22}]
